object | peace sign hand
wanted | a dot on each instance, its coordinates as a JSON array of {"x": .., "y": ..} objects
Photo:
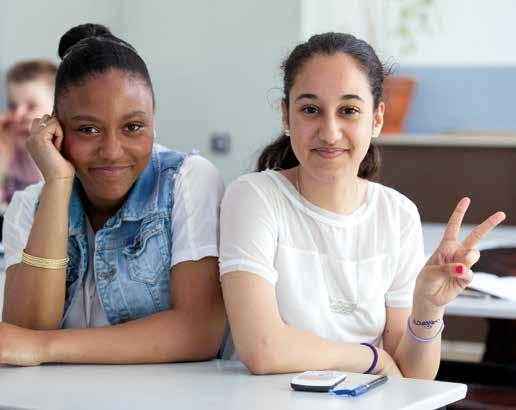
[{"x": 448, "y": 271}]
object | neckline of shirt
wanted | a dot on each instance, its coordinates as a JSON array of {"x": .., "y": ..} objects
[{"x": 319, "y": 213}]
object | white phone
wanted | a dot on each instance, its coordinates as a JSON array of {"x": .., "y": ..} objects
[{"x": 317, "y": 381}]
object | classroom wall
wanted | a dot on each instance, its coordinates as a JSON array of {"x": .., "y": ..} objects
[
  {"x": 467, "y": 32},
  {"x": 463, "y": 62},
  {"x": 30, "y": 29},
  {"x": 458, "y": 33},
  {"x": 215, "y": 65},
  {"x": 463, "y": 100}
]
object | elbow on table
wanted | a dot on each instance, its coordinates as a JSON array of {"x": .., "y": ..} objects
[
  {"x": 419, "y": 376},
  {"x": 207, "y": 339},
  {"x": 208, "y": 349},
  {"x": 260, "y": 360},
  {"x": 428, "y": 374},
  {"x": 258, "y": 364}
]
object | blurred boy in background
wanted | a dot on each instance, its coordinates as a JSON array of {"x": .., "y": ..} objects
[{"x": 30, "y": 94}]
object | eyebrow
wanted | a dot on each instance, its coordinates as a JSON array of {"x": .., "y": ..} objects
[
  {"x": 95, "y": 119},
  {"x": 342, "y": 97},
  {"x": 84, "y": 118},
  {"x": 133, "y": 114}
]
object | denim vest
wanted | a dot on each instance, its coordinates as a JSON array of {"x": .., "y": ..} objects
[{"x": 133, "y": 249}]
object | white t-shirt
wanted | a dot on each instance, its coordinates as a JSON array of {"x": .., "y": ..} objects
[
  {"x": 198, "y": 191},
  {"x": 310, "y": 255},
  {"x": 86, "y": 309}
]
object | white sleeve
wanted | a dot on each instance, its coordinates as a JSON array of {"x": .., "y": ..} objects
[
  {"x": 248, "y": 233},
  {"x": 410, "y": 261},
  {"x": 195, "y": 215},
  {"x": 18, "y": 220}
]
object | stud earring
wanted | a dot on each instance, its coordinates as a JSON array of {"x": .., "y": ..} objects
[{"x": 287, "y": 132}]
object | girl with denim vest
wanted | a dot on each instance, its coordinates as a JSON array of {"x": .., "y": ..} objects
[
  {"x": 321, "y": 267},
  {"x": 114, "y": 258}
]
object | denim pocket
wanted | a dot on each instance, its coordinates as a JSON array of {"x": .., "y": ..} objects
[{"x": 147, "y": 254}]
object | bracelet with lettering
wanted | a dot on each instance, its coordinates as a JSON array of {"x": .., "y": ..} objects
[
  {"x": 428, "y": 324},
  {"x": 423, "y": 339}
]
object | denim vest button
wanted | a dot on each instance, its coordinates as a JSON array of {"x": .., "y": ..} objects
[{"x": 107, "y": 275}]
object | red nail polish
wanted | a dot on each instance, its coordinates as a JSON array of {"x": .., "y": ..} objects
[{"x": 458, "y": 270}]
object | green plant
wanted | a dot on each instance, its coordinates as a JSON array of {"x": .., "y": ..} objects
[{"x": 414, "y": 16}]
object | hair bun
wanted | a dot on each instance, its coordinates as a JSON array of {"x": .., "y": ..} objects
[{"x": 78, "y": 33}]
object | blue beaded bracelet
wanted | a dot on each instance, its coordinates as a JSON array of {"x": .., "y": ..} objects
[
  {"x": 375, "y": 357},
  {"x": 422, "y": 339}
]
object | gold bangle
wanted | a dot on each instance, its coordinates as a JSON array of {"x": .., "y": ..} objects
[{"x": 44, "y": 262}]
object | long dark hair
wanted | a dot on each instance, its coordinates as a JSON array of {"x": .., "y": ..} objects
[
  {"x": 90, "y": 49},
  {"x": 279, "y": 153}
]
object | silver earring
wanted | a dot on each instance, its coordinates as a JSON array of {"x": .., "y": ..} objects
[{"x": 287, "y": 132}]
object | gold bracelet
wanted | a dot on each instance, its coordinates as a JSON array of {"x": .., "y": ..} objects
[{"x": 44, "y": 262}]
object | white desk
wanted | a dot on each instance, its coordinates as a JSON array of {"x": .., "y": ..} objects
[
  {"x": 488, "y": 308},
  {"x": 214, "y": 385},
  {"x": 209, "y": 385}
]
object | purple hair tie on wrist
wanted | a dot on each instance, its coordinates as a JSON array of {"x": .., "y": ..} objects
[{"x": 375, "y": 357}]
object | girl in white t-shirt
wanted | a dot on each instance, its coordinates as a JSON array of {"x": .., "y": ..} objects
[{"x": 322, "y": 268}]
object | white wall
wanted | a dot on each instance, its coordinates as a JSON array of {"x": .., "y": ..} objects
[
  {"x": 463, "y": 32},
  {"x": 213, "y": 64},
  {"x": 32, "y": 29},
  {"x": 469, "y": 32}
]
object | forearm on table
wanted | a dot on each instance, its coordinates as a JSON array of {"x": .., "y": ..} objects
[
  {"x": 167, "y": 336},
  {"x": 287, "y": 349},
  {"x": 34, "y": 297},
  {"x": 416, "y": 359}
]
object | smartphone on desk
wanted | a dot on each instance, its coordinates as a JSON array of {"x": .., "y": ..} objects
[{"x": 320, "y": 381}]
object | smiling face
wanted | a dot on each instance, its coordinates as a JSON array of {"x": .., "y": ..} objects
[
  {"x": 28, "y": 100},
  {"x": 108, "y": 124},
  {"x": 331, "y": 116}
]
